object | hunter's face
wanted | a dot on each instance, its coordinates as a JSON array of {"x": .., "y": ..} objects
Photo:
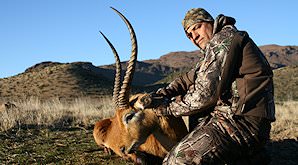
[{"x": 200, "y": 33}]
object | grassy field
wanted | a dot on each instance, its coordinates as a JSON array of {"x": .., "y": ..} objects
[{"x": 55, "y": 132}]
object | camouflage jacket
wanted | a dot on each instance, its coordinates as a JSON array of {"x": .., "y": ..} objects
[{"x": 230, "y": 56}]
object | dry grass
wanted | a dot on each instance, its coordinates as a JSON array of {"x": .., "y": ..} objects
[
  {"x": 56, "y": 132},
  {"x": 85, "y": 111},
  {"x": 286, "y": 124},
  {"x": 284, "y": 143},
  {"x": 55, "y": 113}
]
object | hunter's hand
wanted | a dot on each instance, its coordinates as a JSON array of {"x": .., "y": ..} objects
[
  {"x": 162, "y": 110},
  {"x": 152, "y": 100}
]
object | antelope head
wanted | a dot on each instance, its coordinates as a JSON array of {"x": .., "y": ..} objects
[
  {"x": 112, "y": 132},
  {"x": 129, "y": 133}
]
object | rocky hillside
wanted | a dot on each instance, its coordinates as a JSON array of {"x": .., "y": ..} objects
[
  {"x": 145, "y": 73},
  {"x": 286, "y": 83},
  {"x": 278, "y": 56},
  {"x": 51, "y": 79},
  {"x": 70, "y": 80},
  {"x": 179, "y": 60}
]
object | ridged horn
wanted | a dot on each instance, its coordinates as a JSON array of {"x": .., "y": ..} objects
[
  {"x": 117, "y": 81},
  {"x": 123, "y": 98}
]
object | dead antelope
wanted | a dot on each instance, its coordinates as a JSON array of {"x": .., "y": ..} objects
[{"x": 133, "y": 133}]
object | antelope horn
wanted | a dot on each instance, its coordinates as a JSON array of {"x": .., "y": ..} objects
[
  {"x": 125, "y": 88},
  {"x": 117, "y": 82}
]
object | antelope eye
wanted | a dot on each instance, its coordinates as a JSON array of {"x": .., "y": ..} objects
[
  {"x": 122, "y": 149},
  {"x": 129, "y": 116}
]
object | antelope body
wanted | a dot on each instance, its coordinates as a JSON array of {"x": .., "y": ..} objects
[{"x": 133, "y": 132}]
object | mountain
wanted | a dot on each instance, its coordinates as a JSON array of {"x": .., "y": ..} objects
[
  {"x": 70, "y": 80},
  {"x": 145, "y": 73},
  {"x": 179, "y": 60},
  {"x": 56, "y": 80},
  {"x": 277, "y": 56},
  {"x": 280, "y": 56}
]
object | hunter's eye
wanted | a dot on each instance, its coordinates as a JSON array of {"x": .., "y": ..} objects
[{"x": 197, "y": 26}]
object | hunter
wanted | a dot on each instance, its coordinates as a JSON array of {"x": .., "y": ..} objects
[{"x": 231, "y": 88}]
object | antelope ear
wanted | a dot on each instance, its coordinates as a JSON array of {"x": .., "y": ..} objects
[{"x": 101, "y": 129}]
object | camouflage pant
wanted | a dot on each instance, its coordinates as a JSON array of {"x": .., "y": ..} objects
[{"x": 221, "y": 140}]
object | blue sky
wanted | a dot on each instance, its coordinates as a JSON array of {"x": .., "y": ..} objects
[{"x": 33, "y": 31}]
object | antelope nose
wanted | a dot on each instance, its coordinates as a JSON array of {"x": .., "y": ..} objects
[
  {"x": 132, "y": 148},
  {"x": 130, "y": 151}
]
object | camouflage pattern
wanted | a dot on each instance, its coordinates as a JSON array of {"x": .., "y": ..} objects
[
  {"x": 221, "y": 139},
  {"x": 203, "y": 93},
  {"x": 225, "y": 135},
  {"x": 194, "y": 16}
]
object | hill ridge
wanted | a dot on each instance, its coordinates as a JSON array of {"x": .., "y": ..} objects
[{"x": 69, "y": 80}]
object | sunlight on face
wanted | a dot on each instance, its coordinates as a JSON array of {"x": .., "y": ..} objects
[{"x": 200, "y": 33}]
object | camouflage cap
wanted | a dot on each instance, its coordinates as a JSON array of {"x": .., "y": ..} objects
[{"x": 194, "y": 16}]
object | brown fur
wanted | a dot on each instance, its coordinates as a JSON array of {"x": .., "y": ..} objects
[{"x": 139, "y": 130}]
